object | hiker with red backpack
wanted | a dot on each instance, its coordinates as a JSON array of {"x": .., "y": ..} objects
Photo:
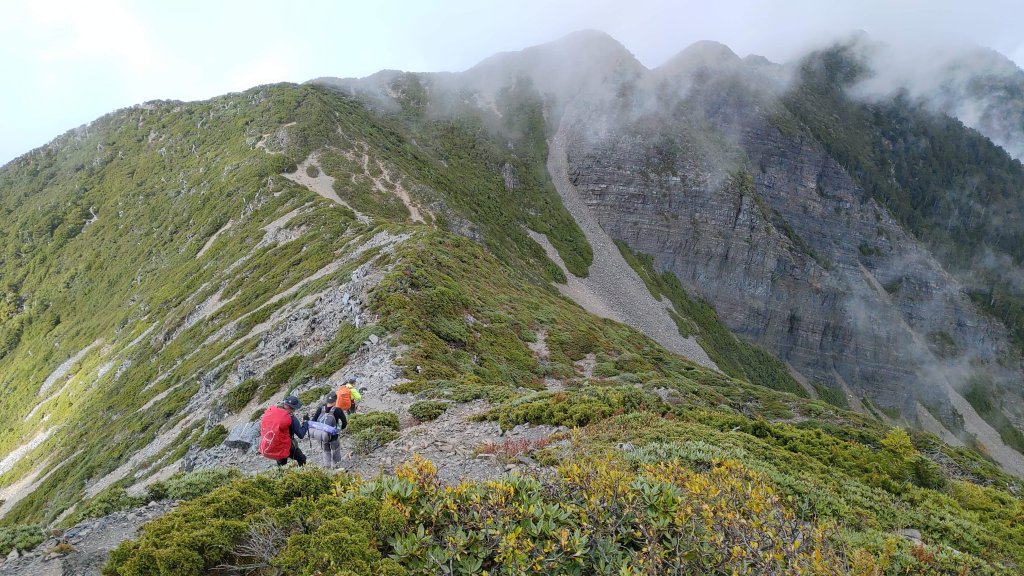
[
  {"x": 277, "y": 428},
  {"x": 327, "y": 423}
]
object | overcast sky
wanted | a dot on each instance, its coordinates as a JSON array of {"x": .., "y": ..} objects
[{"x": 66, "y": 62}]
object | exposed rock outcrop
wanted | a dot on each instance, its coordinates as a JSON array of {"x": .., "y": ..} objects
[{"x": 792, "y": 253}]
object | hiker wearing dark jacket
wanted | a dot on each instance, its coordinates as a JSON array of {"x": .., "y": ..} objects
[
  {"x": 280, "y": 429},
  {"x": 331, "y": 445}
]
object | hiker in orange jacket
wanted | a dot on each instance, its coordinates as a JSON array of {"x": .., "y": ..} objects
[
  {"x": 348, "y": 395},
  {"x": 279, "y": 429}
]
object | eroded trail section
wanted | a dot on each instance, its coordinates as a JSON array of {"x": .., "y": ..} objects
[{"x": 320, "y": 183}]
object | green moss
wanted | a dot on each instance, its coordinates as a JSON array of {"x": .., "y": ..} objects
[
  {"x": 240, "y": 396},
  {"x": 213, "y": 437}
]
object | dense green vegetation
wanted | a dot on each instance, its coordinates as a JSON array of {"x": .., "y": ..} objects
[
  {"x": 603, "y": 518},
  {"x": 924, "y": 168},
  {"x": 163, "y": 181},
  {"x": 102, "y": 234},
  {"x": 459, "y": 157},
  {"x": 372, "y": 430},
  {"x": 653, "y": 486},
  {"x": 427, "y": 410},
  {"x": 22, "y": 537},
  {"x": 469, "y": 323}
]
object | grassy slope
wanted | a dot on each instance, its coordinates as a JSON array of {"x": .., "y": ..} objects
[
  {"x": 163, "y": 179},
  {"x": 458, "y": 157},
  {"x": 652, "y": 424}
]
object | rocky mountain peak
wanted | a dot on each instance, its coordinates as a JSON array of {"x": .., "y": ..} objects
[
  {"x": 564, "y": 67},
  {"x": 701, "y": 54}
]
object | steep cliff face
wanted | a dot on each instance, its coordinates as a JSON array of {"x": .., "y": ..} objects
[{"x": 760, "y": 220}]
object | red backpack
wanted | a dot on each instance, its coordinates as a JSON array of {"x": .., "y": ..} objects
[{"x": 275, "y": 433}]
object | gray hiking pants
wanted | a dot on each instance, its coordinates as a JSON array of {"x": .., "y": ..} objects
[{"x": 332, "y": 453}]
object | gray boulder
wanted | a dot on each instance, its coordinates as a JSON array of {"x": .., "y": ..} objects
[{"x": 243, "y": 436}]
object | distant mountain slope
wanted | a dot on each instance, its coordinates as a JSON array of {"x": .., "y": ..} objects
[
  {"x": 978, "y": 86},
  {"x": 866, "y": 242}
]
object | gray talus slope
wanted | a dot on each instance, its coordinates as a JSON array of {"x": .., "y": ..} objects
[{"x": 613, "y": 288}]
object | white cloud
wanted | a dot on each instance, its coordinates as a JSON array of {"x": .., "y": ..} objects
[
  {"x": 274, "y": 65},
  {"x": 72, "y": 60},
  {"x": 104, "y": 30}
]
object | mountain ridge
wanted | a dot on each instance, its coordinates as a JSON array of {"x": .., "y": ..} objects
[{"x": 172, "y": 268}]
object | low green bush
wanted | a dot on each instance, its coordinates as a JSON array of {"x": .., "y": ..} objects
[
  {"x": 189, "y": 485},
  {"x": 240, "y": 396},
  {"x": 575, "y": 408},
  {"x": 20, "y": 537},
  {"x": 602, "y": 516},
  {"x": 605, "y": 370},
  {"x": 107, "y": 502},
  {"x": 314, "y": 396},
  {"x": 213, "y": 437},
  {"x": 427, "y": 410},
  {"x": 359, "y": 422},
  {"x": 366, "y": 440}
]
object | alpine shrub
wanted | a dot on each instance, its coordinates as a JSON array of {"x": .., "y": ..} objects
[
  {"x": 367, "y": 440},
  {"x": 426, "y": 410},
  {"x": 189, "y": 485},
  {"x": 20, "y": 537},
  {"x": 371, "y": 419},
  {"x": 213, "y": 437}
]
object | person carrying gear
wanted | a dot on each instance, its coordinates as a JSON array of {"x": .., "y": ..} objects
[
  {"x": 277, "y": 427},
  {"x": 327, "y": 423},
  {"x": 348, "y": 395}
]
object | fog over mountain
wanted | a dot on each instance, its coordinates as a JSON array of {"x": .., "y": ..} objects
[
  {"x": 883, "y": 305},
  {"x": 76, "y": 61}
]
